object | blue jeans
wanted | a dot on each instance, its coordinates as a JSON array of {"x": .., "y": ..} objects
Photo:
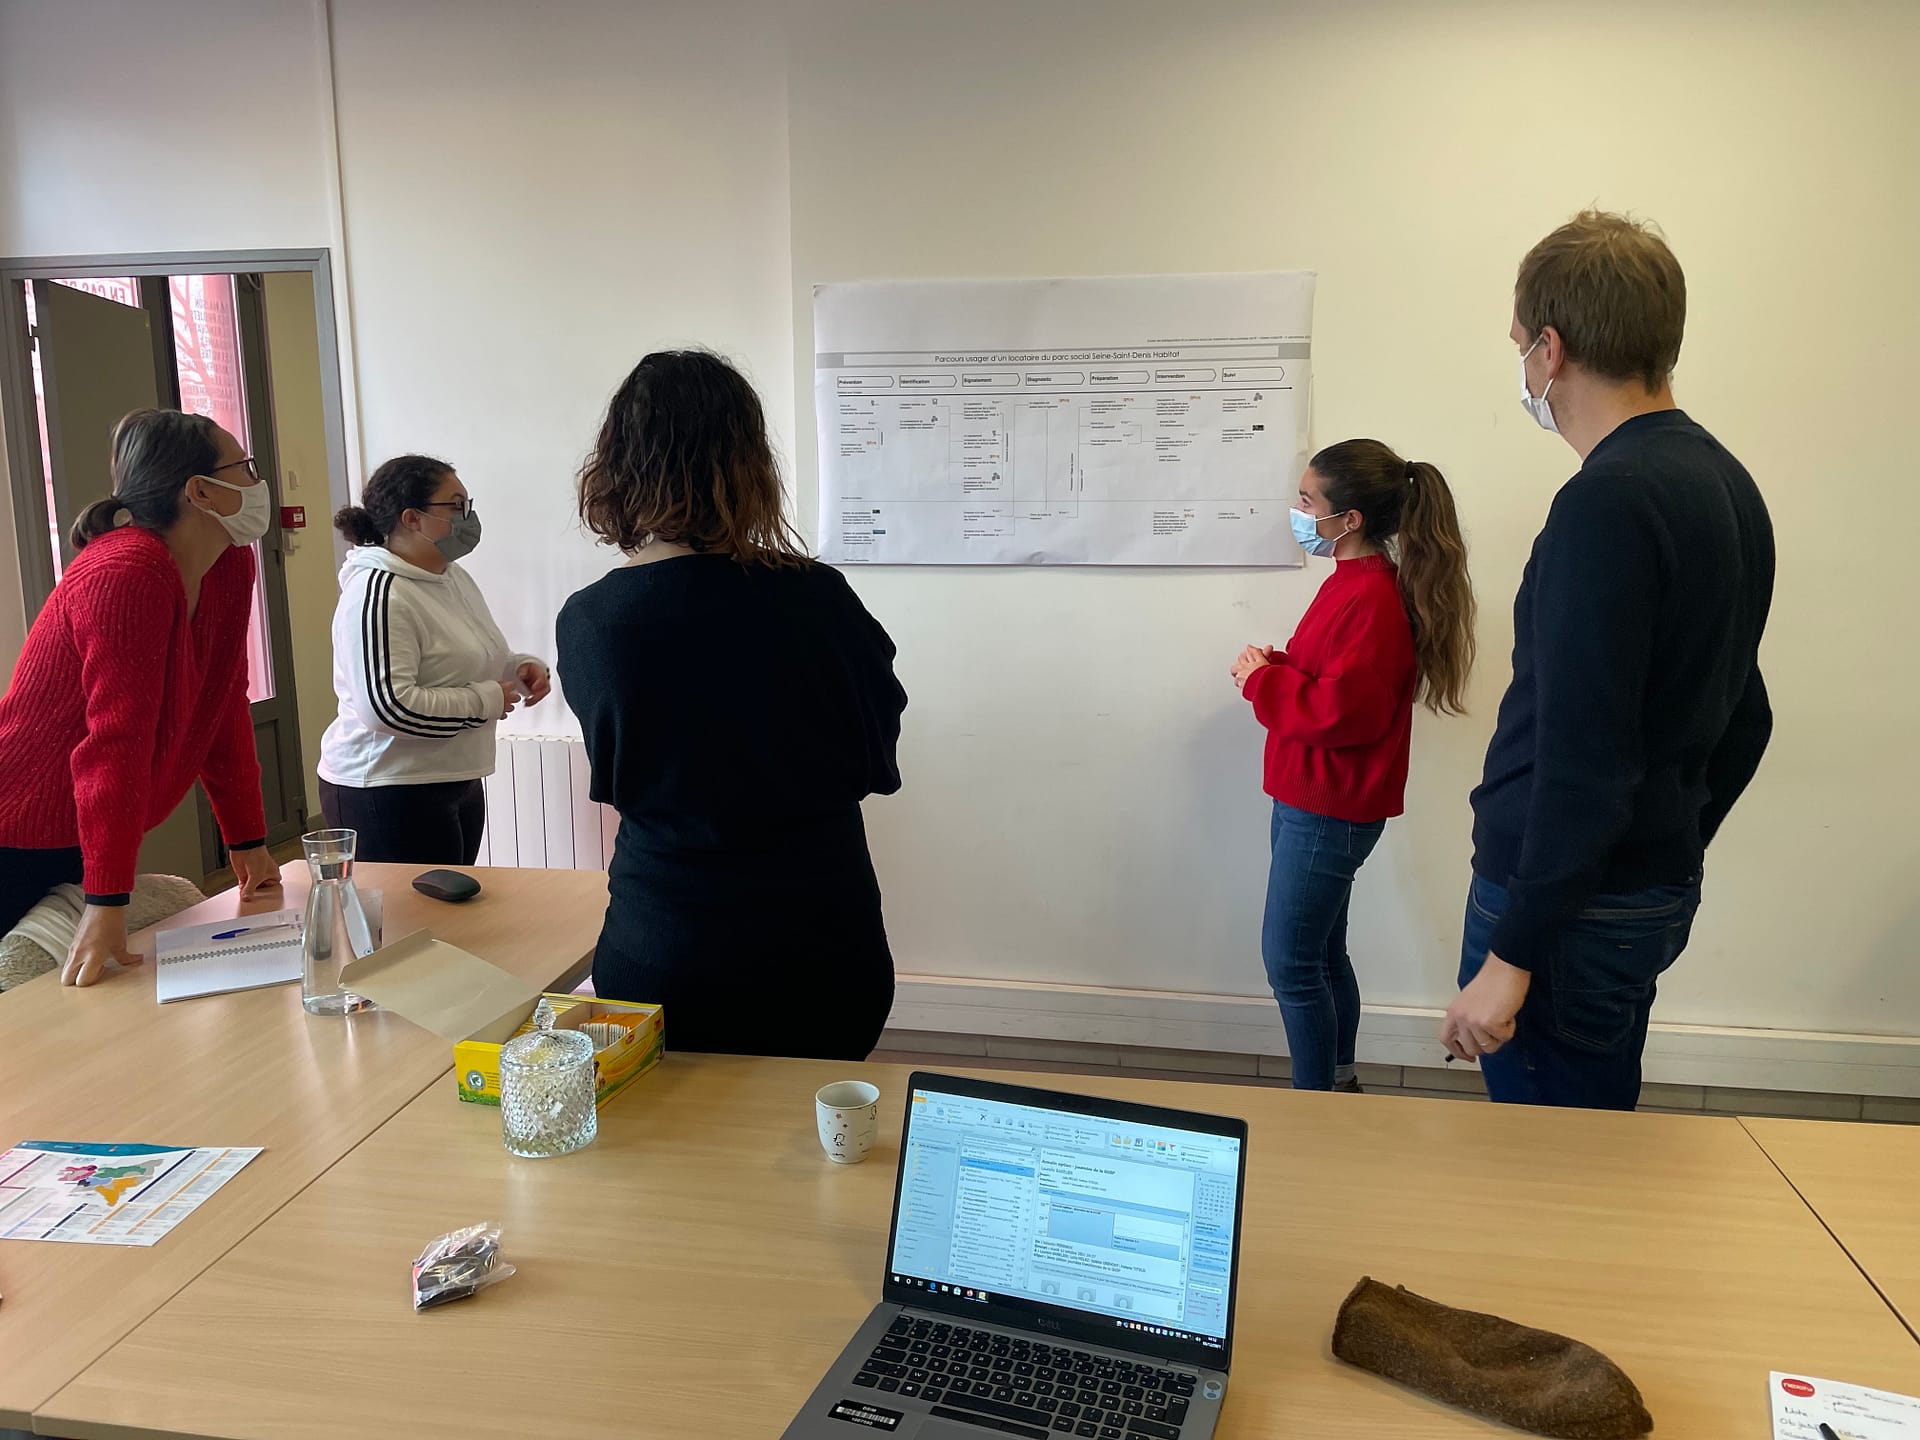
[
  {"x": 1581, "y": 1029},
  {"x": 1304, "y": 938}
]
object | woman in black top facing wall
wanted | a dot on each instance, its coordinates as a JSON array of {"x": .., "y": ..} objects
[{"x": 738, "y": 704}]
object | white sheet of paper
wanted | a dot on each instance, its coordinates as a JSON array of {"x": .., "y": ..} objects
[
  {"x": 1132, "y": 420},
  {"x": 1802, "y": 1402}
]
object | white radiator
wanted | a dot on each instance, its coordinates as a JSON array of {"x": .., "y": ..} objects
[{"x": 538, "y": 813}]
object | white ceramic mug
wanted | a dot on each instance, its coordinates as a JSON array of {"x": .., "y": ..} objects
[{"x": 848, "y": 1112}]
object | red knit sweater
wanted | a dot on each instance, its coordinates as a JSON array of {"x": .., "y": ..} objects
[
  {"x": 1338, "y": 705},
  {"x": 119, "y": 703}
]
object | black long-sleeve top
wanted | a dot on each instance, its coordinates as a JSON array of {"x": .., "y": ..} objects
[
  {"x": 729, "y": 706},
  {"x": 1636, "y": 714}
]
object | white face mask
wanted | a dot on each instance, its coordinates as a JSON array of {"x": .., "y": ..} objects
[
  {"x": 1536, "y": 405},
  {"x": 249, "y": 522}
]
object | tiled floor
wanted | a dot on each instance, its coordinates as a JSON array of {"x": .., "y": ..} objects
[{"x": 932, "y": 1050}]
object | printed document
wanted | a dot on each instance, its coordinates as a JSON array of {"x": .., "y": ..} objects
[
  {"x": 92, "y": 1194},
  {"x": 1801, "y": 1404},
  {"x": 1148, "y": 420}
]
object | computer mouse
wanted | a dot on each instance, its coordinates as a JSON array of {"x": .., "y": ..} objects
[{"x": 448, "y": 885}]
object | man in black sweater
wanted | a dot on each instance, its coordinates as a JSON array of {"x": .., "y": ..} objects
[{"x": 1636, "y": 714}]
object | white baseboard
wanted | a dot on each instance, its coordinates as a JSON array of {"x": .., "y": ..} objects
[{"x": 1799, "y": 1060}]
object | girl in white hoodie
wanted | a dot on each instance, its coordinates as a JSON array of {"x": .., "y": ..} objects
[{"x": 421, "y": 670}]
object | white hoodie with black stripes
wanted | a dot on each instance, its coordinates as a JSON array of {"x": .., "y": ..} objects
[{"x": 420, "y": 669}]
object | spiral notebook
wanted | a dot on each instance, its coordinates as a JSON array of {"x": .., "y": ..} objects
[{"x": 245, "y": 953}]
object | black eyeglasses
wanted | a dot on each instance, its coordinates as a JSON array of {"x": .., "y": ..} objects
[
  {"x": 461, "y": 508},
  {"x": 252, "y": 469}
]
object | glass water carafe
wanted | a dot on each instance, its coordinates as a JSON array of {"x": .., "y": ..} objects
[{"x": 336, "y": 930}]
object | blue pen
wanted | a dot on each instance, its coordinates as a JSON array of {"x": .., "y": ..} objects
[{"x": 249, "y": 929}]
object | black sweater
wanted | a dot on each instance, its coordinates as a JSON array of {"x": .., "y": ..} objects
[
  {"x": 1636, "y": 714},
  {"x": 727, "y": 707}
]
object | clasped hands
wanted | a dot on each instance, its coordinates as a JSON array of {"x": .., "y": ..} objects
[{"x": 1248, "y": 661}]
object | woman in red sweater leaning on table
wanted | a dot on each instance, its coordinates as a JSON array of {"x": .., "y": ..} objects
[
  {"x": 1392, "y": 624},
  {"x": 133, "y": 683}
]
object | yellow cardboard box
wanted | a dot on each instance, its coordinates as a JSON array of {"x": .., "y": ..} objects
[
  {"x": 476, "y": 1063},
  {"x": 479, "y": 1007}
]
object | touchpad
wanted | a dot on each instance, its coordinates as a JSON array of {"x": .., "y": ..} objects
[
  {"x": 937, "y": 1427},
  {"x": 934, "y": 1428}
]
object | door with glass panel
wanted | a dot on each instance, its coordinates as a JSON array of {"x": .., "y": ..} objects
[{"x": 102, "y": 346}]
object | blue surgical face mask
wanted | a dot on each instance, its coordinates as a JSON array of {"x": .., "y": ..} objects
[{"x": 1306, "y": 530}]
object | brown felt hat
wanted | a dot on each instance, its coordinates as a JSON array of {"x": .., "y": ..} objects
[{"x": 1530, "y": 1379}]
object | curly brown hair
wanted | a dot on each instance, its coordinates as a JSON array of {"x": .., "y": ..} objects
[
  {"x": 404, "y": 483},
  {"x": 683, "y": 458}
]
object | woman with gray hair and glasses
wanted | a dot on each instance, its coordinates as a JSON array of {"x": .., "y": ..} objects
[{"x": 133, "y": 684}]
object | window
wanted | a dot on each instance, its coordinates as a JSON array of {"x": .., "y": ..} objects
[{"x": 206, "y": 348}]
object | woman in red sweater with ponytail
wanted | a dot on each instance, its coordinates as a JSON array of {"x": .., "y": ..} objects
[
  {"x": 133, "y": 683},
  {"x": 1392, "y": 624}
]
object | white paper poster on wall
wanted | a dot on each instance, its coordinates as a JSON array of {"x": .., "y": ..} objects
[{"x": 1139, "y": 420}]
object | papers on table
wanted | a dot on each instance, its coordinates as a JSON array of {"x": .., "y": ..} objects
[
  {"x": 1802, "y": 1403},
  {"x": 90, "y": 1194}
]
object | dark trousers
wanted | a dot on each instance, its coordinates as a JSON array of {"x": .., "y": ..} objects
[
  {"x": 26, "y": 877},
  {"x": 1580, "y": 1032},
  {"x": 774, "y": 950},
  {"x": 439, "y": 824},
  {"x": 1303, "y": 938}
]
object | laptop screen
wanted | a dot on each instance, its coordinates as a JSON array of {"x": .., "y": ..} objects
[{"x": 1120, "y": 1215}]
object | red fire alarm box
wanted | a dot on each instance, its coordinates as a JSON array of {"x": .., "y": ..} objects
[{"x": 293, "y": 517}]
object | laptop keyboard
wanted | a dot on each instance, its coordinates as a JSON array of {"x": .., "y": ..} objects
[{"x": 1027, "y": 1387}]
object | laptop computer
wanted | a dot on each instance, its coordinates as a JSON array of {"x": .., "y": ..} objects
[{"x": 1058, "y": 1265}]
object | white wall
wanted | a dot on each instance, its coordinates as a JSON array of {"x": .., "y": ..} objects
[
  {"x": 533, "y": 200},
  {"x": 133, "y": 125},
  {"x": 1082, "y": 784},
  {"x": 536, "y": 197}
]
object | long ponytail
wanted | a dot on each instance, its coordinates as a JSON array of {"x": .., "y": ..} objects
[
  {"x": 1409, "y": 512},
  {"x": 1436, "y": 589}
]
